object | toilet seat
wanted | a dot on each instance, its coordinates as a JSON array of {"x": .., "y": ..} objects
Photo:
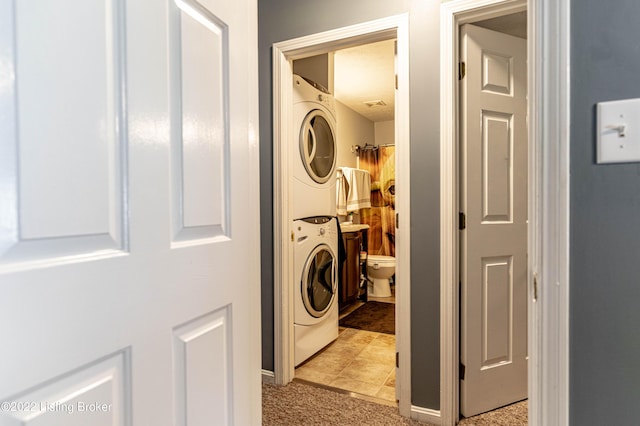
[{"x": 381, "y": 260}]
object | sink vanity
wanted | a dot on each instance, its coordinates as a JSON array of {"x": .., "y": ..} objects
[
  {"x": 354, "y": 237},
  {"x": 353, "y": 227}
]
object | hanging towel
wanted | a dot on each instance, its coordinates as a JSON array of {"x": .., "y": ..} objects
[
  {"x": 359, "y": 196},
  {"x": 342, "y": 188},
  {"x": 356, "y": 184}
]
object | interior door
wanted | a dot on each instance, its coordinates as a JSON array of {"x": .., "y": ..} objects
[
  {"x": 493, "y": 196},
  {"x": 129, "y": 275}
]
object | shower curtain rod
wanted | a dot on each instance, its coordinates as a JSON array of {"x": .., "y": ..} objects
[{"x": 357, "y": 148}]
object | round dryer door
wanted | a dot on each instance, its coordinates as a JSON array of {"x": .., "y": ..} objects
[
  {"x": 319, "y": 281},
  {"x": 318, "y": 146}
]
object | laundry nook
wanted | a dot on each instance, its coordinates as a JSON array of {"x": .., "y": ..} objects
[{"x": 342, "y": 150}]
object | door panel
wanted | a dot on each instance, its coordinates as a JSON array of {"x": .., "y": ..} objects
[
  {"x": 129, "y": 275},
  {"x": 494, "y": 198},
  {"x": 200, "y": 111},
  {"x": 497, "y": 285},
  {"x": 497, "y": 76},
  {"x": 497, "y": 167},
  {"x": 61, "y": 157},
  {"x": 79, "y": 137},
  {"x": 95, "y": 394},
  {"x": 202, "y": 364}
]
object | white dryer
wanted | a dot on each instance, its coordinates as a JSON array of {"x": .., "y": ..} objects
[
  {"x": 315, "y": 285},
  {"x": 314, "y": 183}
]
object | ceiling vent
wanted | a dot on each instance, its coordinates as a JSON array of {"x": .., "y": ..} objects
[{"x": 377, "y": 102}]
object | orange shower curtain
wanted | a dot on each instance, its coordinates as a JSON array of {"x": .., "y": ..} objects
[{"x": 380, "y": 162}]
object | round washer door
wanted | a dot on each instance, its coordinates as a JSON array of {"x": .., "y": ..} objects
[
  {"x": 319, "y": 281},
  {"x": 318, "y": 146}
]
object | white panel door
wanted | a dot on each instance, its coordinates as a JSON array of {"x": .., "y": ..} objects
[
  {"x": 129, "y": 263},
  {"x": 493, "y": 196}
]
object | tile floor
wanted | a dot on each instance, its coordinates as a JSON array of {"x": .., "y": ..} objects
[
  {"x": 357, "y": 361},
  {"x": 364, "y": 362}
]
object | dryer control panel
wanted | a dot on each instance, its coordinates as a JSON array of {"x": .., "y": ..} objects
[
  {"x": 328, "y": 101},
  {"x": 305, "y": 90}
]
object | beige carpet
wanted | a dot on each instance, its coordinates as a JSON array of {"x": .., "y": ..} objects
[
  {"x": 301, "y": 404},
  {"x": 511, "y": 415}
]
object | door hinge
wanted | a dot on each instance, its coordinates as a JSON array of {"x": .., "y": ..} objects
[
  {"x": 462, "y": 70},
  {"x": 397, "y": 220},
  {"x": 462, "y": 370},
  {"x": 535, "y": 287},
  {"x": 397, "y": 360},
  {"x": 462, "y": 221},
  {"x": 396, "y": 81}
]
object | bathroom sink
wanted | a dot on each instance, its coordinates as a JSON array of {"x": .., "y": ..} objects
[{"x": 353, "y": 227}]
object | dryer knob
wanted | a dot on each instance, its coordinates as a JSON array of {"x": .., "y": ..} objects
[
  {"x": 322, "y": 231},
  {"x": 320, "y": 98}
]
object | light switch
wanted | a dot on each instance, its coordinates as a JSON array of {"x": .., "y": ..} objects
[{"x": 619, "y": 131}]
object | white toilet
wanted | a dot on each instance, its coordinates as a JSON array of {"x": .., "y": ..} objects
[{"x": 379, "y": 270}]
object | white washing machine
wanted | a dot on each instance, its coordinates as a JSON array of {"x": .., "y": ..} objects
[
  {"x": 315, "y": 285},
  {"x": 314, "y": 183}
]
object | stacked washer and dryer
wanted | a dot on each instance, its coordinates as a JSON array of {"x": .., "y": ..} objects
[{"x": 315, "y": 224}]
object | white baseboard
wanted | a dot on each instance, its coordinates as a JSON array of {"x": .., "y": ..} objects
[
  {"x": 268, "y": 377},
  {"x": 426, "y": 415}
]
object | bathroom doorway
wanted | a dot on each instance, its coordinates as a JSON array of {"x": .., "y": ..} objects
[
  {"x": 362, "y": 359},
  {"x": 284, "y": 54}
]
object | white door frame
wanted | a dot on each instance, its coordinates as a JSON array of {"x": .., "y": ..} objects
[
  {"x": 283, "y": 156},
  {"x": 548, "y": 234}
]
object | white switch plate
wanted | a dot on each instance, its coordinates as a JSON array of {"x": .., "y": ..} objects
[{"x": 619, "y": 131}]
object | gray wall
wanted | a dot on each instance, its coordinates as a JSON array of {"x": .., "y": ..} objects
[
  {"x": 605, "y": 221},
  {"x": 605, "y": 199},
  {"x": 281, "y": 20}
]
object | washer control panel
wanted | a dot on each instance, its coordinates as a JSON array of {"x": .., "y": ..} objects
[{"x": 322, "y": 226}]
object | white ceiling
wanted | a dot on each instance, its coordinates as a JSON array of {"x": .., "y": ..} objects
[
  {"x": 366, "y": 73},
  {"x": 514, "y": 24}
]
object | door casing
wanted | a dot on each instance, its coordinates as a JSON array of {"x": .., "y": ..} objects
[
  {"x": 284, "y": 53},
  {"x": 495, "y": 358},
  {"x": 548, "y": 236}
]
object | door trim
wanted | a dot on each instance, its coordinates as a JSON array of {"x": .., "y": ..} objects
[
  {"x": 283, "y": 55},
  {"x": 548, "y": 234}
]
